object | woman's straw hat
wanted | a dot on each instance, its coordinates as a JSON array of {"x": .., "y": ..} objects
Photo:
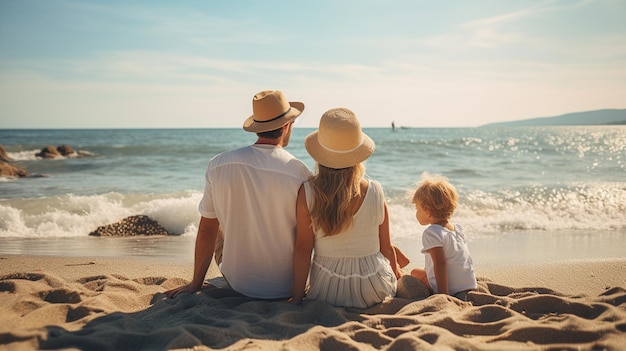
[
  {"x": 339, "y": 141},
  {"x": 270, "y": 110}
]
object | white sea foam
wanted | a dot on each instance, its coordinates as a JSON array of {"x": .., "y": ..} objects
[
  {"x": 27, "y": 155},
  {"x": 598, "y": 207},
  {"x": 77, "y": 216},
  {"x": 30, "y": 155}
]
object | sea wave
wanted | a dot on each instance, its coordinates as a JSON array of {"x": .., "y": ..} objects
[
  {"x": 26, "y": 155},
  {"x": 76, "y": 216},
  {"x": 31, "y": 155},
  {"x": 589, "y": 207}
]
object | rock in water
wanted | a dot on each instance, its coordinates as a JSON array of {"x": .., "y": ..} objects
[
  {"x": 65, "y": 150},
  {"x": 48, "y": 152},
  {"x": 131, "y": 226},
  {"x": 10, "y": 171},
  {"x": 58, "y": 151},
  {"x": 4, "y": 157}
]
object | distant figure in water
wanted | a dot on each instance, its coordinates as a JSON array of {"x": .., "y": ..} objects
[
  {"x": 393, "y": 125},
  {"x": 449, "y": 268}
]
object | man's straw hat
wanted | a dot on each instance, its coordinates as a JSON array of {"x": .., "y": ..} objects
[
  {"x": 339, "y": 142},
  {"x": 271, "y": 110}
]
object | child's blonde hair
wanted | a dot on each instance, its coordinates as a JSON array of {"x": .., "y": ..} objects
[{"x": 437, "y": 196}]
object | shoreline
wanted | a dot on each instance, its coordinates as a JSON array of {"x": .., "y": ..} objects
[{"x": 586, "y": 277}]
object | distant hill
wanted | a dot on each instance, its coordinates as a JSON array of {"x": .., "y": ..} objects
[{"x": 597, "y": 117}]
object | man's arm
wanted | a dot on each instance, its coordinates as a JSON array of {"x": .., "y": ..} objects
[{"x": 205, "y": 247}]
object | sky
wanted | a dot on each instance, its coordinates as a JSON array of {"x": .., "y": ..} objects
[{"x": 197, "y": 64}]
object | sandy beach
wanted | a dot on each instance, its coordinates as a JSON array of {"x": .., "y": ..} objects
[{"x": 117, "y": 304}]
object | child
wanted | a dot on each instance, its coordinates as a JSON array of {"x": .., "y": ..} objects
[
  {"x": 448, "y": 268},
  {"x": 343, "y": 216}
]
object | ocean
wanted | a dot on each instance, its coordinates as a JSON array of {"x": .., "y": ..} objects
[{"x": 527, "y": 194}]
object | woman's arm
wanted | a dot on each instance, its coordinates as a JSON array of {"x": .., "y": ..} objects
[
  {"x": 303, "y": 249},
  {"x": 385, "y": 245}
]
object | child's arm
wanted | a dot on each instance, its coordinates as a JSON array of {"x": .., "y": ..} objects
[
  {"x": 303, "y": 248},
  {"x": 385, "y": 245},
  {"x": 441, "y": 269}
]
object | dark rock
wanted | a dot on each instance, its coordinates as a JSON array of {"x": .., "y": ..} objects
[
  {"x": 10, "y": 171},
  {"x": 131, "y": 226},
  {"x": 61, "y": 151},
  {"x": 48, "y": 152},
  {"x": 65, "y": 150},
  {"x": 3, "y": 155}
]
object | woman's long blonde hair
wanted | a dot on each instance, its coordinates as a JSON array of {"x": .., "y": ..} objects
[{"x": 334, "y": 193}]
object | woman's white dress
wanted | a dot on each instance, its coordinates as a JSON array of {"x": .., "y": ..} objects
[{"x": 348, "y": 268}]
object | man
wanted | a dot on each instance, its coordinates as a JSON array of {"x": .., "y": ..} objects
[{"x": 250, "y": 193}]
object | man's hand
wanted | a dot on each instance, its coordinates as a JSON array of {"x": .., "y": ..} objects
[
  {"x": 205, "y": 247},
  {"x": 188, "y": 288},
  {"x": 295, "y": 300}
]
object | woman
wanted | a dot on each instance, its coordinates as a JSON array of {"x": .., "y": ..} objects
[{"x": 344, "y": 217}]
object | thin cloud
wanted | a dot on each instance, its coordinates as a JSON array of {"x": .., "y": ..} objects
[
  {"x": 148, "y": 62},
  {"x": 497, "y": 30}
]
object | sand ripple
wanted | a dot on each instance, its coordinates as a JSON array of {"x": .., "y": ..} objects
[{"x": 111, "y": 312}]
